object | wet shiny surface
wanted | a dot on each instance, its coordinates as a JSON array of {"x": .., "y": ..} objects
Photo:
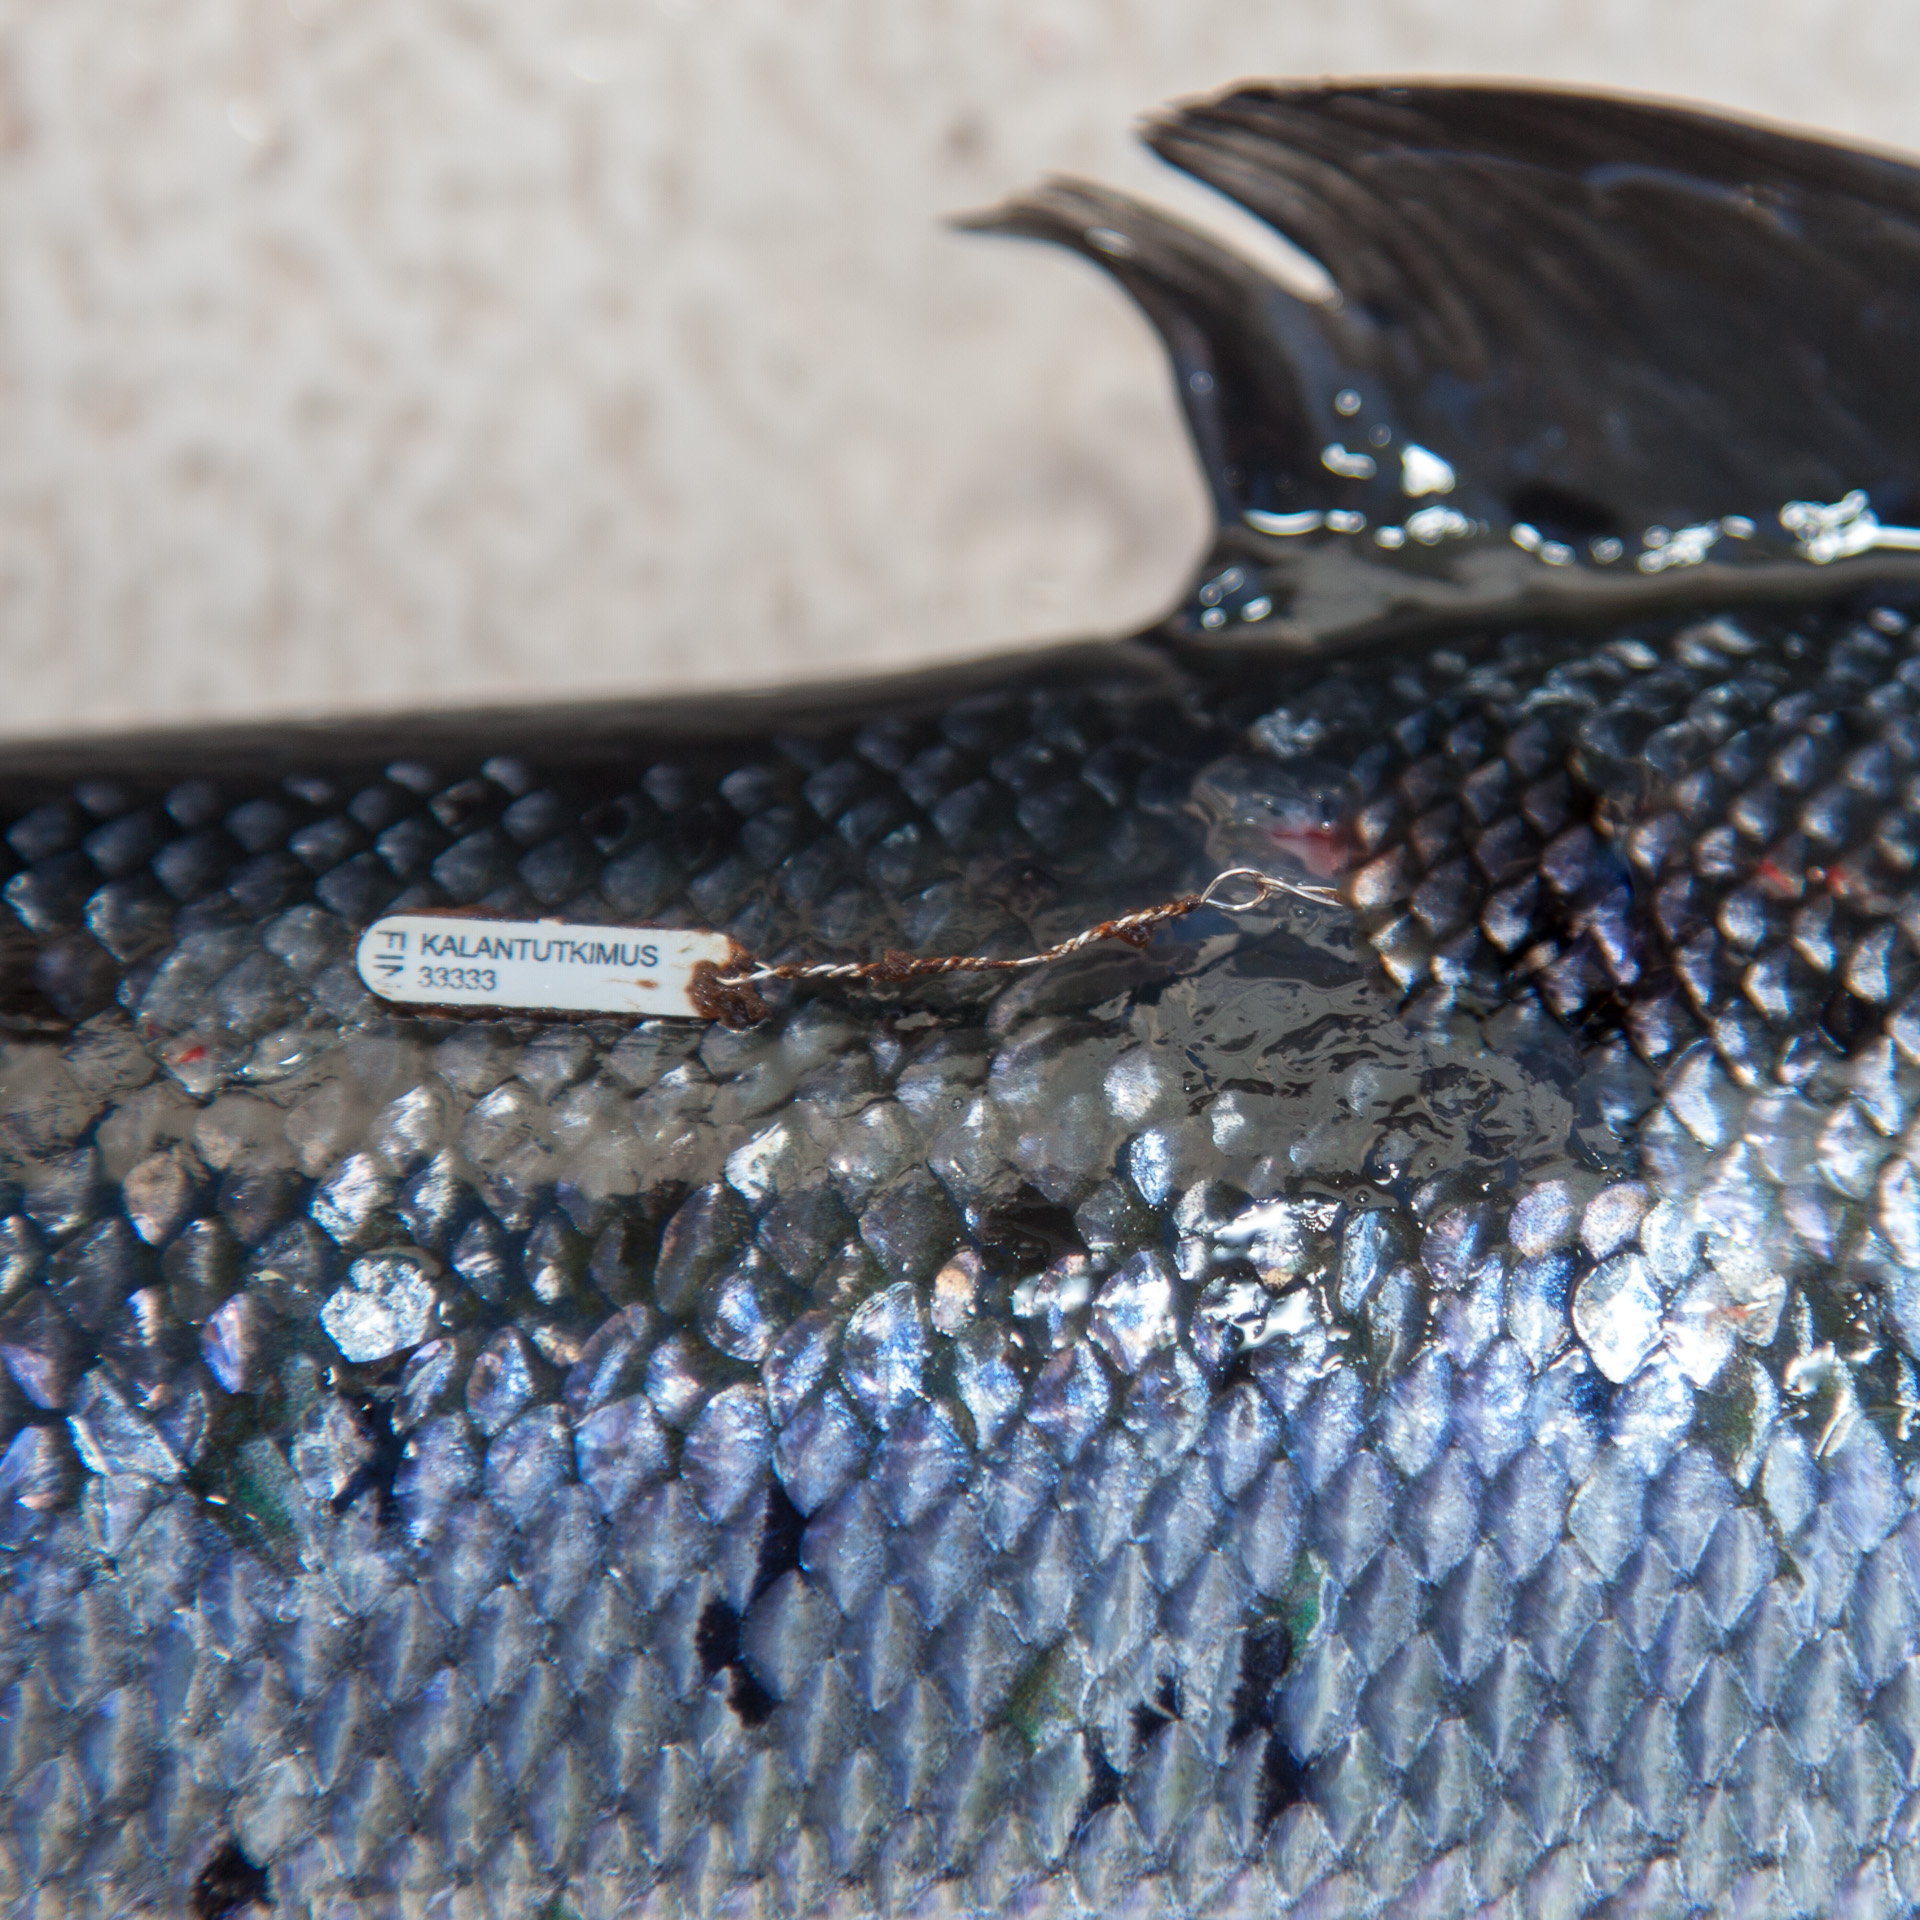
[
  {"x": 1585, "y": 351},
  {"x": 1405, "y": 1409},
  {"x": 1314, "y": 1413}
]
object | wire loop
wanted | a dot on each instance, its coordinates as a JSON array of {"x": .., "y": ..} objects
[{"x": 1265, "y": 886}]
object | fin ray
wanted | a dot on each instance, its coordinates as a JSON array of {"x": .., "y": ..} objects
[{"x": 1657, "y": 316}]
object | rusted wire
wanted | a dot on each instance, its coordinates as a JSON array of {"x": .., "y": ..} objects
[{"x": 727, "y": 995}]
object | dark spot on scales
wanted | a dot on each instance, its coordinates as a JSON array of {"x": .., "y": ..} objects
[
  {"x": 1103, "y": 1789},
  {"x": 1282, "y": 1784},
  {"x": 779, "y": 1540},
  {"x": 376, "y": 1474},
  {"x": 1029, "y": 1230},
  {"x": 750, "y": 1700},
  {"x": 1265, "y": 1656},
  {"x": 716, "y": 1638},
  {"x": 717, "y": 1641},
  {"x": 229, "y": 1884},
  {"x": 1149, "y": 1716},
  {"x": 1847, "y": 1019}
]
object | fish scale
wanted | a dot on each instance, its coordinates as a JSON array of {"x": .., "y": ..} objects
[
  {"x": 801, "y": 1559},
  {"x": 1396, "y": 1409}
]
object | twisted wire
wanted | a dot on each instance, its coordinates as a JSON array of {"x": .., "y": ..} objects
[{"x": 1134, "y": 928}]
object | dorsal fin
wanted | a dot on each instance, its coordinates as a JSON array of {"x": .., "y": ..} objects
[{"x": 1586, "y": 348}]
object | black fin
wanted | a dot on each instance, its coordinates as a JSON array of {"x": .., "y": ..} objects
[{"x": 1596, "y": 323}]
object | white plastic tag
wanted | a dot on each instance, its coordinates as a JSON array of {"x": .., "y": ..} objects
[{"x": 551, "y": 966}]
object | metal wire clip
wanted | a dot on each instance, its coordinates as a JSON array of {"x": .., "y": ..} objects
[{"x": 727, "y": 994}]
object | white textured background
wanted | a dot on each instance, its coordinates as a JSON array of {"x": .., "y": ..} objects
[{"x": 366, "y": 352}]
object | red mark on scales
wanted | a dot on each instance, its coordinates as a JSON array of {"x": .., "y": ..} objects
[{"x": 1321, "y": 851}]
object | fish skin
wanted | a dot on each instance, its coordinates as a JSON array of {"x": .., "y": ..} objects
[{"x": 1400, "y": 1410}]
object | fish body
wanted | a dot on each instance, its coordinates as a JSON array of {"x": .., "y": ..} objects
[{"x": 1404, "y": 1407}]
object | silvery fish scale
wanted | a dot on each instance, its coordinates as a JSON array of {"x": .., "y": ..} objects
[{"x": 1400, "y": 1410}]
